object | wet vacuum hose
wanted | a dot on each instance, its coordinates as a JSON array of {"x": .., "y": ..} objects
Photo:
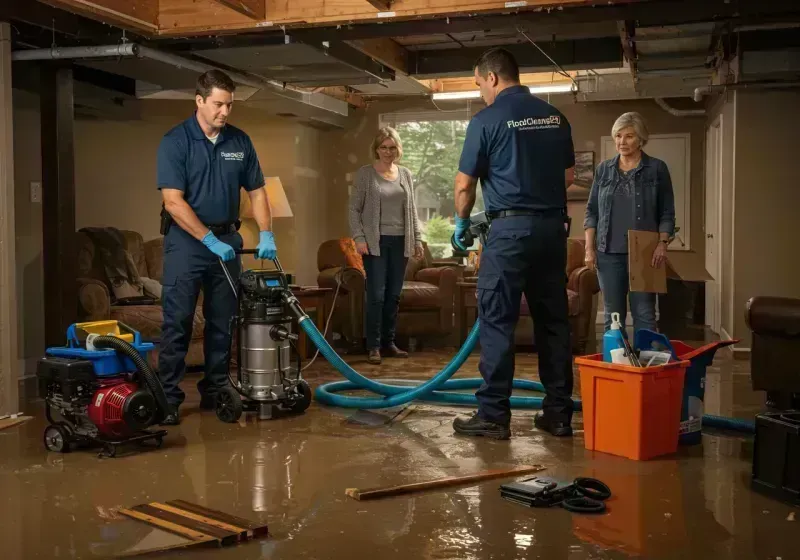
[
  {"x": 435, "y": 389},
  {"x": 146, "y": 373}
]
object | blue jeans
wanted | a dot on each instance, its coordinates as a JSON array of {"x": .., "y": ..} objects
[
  {"x": 612, "y": 272},
  {"x": 385, "y": 275}
]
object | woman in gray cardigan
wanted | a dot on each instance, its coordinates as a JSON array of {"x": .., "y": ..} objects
[{"x": 385, "y": 227}]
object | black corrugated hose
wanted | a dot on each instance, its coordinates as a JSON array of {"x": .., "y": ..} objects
[{"x": 145, "y": 371}]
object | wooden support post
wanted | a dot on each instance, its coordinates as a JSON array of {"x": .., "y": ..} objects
[
  {"x": 58, "y": 202},
  {"x": 9, "y": 362}
]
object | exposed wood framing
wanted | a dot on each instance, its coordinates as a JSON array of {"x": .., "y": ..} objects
[
  {"x": 468, "y": 84},
  {"x": 627, "y": 31},
  {"x": 343, "y": 93},
  {"x": 383, "y": 5},
  {"x": 386, "y": 51},
  {"x": 9, "y": 364},
  {"x": 255, "y": 9},
  {"x": 141, "y": 15}
]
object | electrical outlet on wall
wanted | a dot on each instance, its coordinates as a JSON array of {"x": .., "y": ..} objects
[{"x": 36, "y": 191}]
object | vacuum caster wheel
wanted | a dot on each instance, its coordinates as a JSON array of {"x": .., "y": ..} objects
[
  {"x": 56, "y": 439},
  {"x": 304, "y": 400},
  {"x": 229, "y": 405}
]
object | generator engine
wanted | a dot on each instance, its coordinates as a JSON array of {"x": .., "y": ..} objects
[
  {"x": 266, "y": 379},
  {"x": 99, "y": 389}
]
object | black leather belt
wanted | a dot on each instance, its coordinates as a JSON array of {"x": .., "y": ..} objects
[
  {"x": 225, "y": 228},
  {"x": 512, "y": 212}
]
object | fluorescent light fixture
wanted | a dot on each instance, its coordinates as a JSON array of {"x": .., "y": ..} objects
[{"x": 455, "y": 95}]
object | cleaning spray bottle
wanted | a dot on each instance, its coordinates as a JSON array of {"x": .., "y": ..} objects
[{"x": 612, "y": 339}]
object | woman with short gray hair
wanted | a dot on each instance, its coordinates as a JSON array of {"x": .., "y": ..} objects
[{"x": 631, "y": 191}]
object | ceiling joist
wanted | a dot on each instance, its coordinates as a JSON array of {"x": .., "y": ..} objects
[
  {"x": 254, "y": 9},
  {"x": 139, "y": 15}
]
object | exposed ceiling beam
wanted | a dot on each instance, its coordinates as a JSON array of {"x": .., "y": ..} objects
[
  {"x": 386, "y": 51},
  {"x": 354, "y": 99},
  {"x": 570, "y": 55},
  {"x": 627, "y": 31},
  {"x": 139, "y": 15},
  {"x": 255, "y": 9},
  {"x": 61, "y": 22}
]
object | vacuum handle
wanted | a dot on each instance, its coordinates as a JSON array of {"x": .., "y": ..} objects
[{"x": 255, "y": 252}]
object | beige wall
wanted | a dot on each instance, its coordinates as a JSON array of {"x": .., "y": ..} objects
[
  {"x": 115, "y": 174},
  {"x": 766, "y": 200}
]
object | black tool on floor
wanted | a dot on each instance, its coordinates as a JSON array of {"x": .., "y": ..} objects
[{"x": 583, "y": 495}]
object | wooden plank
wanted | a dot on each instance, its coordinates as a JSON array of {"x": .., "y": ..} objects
[
  {"x": 386, "y": 51},
  {"x": 141, "y": 15},
  {"x": 382, "y": 5},
  {"x": 224, "y": 536},
  {"x": 58, "y": 201},
  {"x": 191, "y": 17},
  {"x": 6, "y": 423},
  {"x": 255, "y": 9},
  {"x": 9, "y": 362},
  {"x": 256, "y": 528},
  {"x": 167, "y": 526},
  {"x": 241, "y": 532},
  {"x": 377, "y": 493}
]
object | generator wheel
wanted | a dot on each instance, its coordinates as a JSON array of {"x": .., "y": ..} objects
[
  {"x": 56, "y": 439},
  {"x": 304, "y": 390},
  {"x": 229, "y": 405}
]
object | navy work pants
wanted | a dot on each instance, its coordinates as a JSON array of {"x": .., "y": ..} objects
[
  {"x": 524, "y": 255},
  {"x": 188, "y": 267},
  {"x": 385, "y": 275}
]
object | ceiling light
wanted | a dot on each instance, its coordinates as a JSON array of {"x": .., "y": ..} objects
[{"x": 454, "y": 95}]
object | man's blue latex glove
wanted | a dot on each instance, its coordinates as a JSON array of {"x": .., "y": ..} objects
[
  {"x": 266, "y": 246},
  {"x": 222, "y": 250},
  {"x": 462, "y": 225}
]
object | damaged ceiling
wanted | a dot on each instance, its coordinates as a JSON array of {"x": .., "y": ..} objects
[{"x": 616, "y": 50}]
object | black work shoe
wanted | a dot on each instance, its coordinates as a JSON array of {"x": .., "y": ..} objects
[
  {"x": 392, "y": 351},
  {"x": 558, "y": 429},
  {"x": 208, "y": 402},
  {"x": 477, "y": 426},
  {"x": 171, "y": 419},
  {"x": 374, "y": 356}
]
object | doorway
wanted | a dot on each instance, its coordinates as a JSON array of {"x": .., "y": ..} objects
[{"x": 712, "y": 224}]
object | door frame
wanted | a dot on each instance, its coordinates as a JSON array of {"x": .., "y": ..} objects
[{"x": 714, "y": 181}]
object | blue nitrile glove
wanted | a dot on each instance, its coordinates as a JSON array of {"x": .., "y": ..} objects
[
  {"x": 266, "y": 246},
  {"x": 222, "y": 250},
  {"x": 462, "y": 225}
]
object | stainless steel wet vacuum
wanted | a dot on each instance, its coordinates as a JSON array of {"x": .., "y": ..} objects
[{"x": 268, "y": 380}]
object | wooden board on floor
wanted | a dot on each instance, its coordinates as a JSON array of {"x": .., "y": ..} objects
[
  {"x": 376, "y": 493},
  {"x": 11, "y": 422},
  {"x": 196, "y": 523}
]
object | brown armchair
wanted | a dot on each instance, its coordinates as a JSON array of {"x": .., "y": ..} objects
[
  {"x": 94, "y": 292},
  {"x": 426, "y": 301}
]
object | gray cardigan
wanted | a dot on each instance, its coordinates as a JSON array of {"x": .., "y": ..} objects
[{"x": 365, "y": 211}]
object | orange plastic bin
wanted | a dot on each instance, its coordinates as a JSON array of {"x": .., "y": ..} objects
[{"x": 629, "y": 411}]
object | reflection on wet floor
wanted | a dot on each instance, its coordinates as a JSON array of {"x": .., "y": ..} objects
[{"x": 292, "y": 474}]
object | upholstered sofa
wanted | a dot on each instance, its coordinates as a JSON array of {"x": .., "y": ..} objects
[
  {"x": 95, "y": 293},
  {"x": 426, "y": 301}
]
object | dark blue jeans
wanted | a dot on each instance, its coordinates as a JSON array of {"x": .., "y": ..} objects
[
  {"x": 385, "y": 275},
  {"x": 612, "y": 272},
  {"x": 188, "y": 267},
  {"x": 525, "y": 254}
]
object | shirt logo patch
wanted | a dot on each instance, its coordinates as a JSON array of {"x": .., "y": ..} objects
[
  {"x": 233, "y": 156},
  {"x": 534, "y": 123}
]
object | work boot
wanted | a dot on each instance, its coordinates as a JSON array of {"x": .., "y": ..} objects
[
  {"x": 392, "y": 351},
  {"x": 477, "y": 426},
  {"x": 556, "y": 428},
  {"x": 172, "y": 418},
  {"x": 374, "y": 356}
]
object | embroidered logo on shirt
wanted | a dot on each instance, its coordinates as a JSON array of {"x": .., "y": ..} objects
[
  {"x": 233, "y": 156},
  {"x": 533, "y": 123}
]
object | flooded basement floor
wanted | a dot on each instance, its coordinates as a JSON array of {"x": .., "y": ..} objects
[{"x": 292, "y": 474}]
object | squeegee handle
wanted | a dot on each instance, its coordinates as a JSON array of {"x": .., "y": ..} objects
[{"x": 254, "y": 252}]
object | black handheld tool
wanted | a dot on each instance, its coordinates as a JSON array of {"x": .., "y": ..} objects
[{"x": 583, "y": 495}]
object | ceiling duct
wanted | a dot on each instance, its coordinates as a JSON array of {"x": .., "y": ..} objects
[{"x": 316, "y": 106}]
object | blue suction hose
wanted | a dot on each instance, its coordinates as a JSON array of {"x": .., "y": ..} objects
[{"x": 434, "y": 390}]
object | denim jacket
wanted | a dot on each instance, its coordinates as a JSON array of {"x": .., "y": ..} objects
[{"x": 653, "y": 197}]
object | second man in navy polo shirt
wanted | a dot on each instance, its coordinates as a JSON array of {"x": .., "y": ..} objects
[
  {"x": 520, "y": 148},
  {"x": 202, "y": 164}
]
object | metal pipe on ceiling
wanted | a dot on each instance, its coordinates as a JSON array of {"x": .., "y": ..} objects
[
  {"x": 312, "y": 99},
  {"x": 702, "y": 91},
  {"x": 679, "y": 112}
]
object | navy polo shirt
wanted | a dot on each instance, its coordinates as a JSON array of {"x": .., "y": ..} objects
[
  {"x": 209, "y": 174},
  {"x": 519, "y": 147}
]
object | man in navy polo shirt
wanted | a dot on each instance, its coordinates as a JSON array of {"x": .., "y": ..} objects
[
  {"x": 202, "y": 163},
  {"x": 520, "y": 148}
]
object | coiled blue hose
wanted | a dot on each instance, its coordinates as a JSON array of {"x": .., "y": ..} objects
[{"x": 396, "y": 395}]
